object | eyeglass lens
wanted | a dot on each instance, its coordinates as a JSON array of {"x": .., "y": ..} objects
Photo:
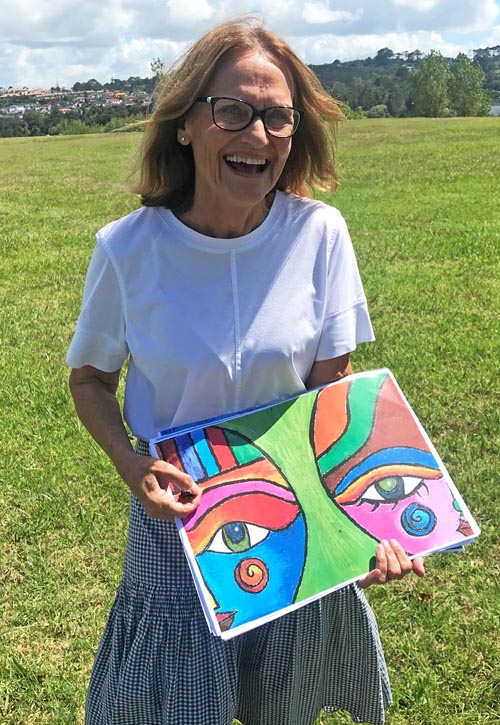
[{"x": 233, "y": 115}]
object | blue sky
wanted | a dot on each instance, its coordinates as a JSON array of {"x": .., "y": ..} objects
[{"x": 64, "y": 41}]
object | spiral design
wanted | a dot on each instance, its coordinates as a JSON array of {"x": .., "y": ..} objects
[
  {"x": 418, "y": 520},
  {"x": 252, "y": 575}
]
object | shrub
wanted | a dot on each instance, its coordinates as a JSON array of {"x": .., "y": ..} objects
[{"x": 378, "y": 111}]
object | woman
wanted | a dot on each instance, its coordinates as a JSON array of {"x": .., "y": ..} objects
[{"x": 227, "y": 289}]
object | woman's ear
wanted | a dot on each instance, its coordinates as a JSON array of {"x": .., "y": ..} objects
[{"x": 182, "y": 136}]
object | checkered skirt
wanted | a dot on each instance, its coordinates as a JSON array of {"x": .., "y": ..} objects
[{"x": 158, "y": 664}]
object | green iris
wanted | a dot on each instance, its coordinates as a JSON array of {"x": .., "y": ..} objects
[
  {"x": 236, "y": 536},
  {"x": 390, "y": 484},
  {"x": 390, "y": 487}
]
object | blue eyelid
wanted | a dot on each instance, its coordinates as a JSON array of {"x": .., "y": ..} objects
[{"x": 388, "y": 457}]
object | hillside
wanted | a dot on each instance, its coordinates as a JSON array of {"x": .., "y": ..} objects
[{"x": 384, "y": 79}]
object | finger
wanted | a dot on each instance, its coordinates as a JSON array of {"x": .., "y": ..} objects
[
  {"x": 404, "y": 565},
  {"x": 418, "y": 566},
  {"x": 398, "y": 563},
  {"x": 373, "y": 577},
  {"x": 377, "y": 575},
  {"x": 182, "y": 507},
  {"x": 188, "y": 490},
  {"x": 161, "y": 504},
  {"x": 157, "y": 504},
  {"x": 381, "y": 561},
  {"x": 169, "y": 476}
]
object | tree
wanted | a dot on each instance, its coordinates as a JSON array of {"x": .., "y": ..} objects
[
  {"x": 415, "y": 56},
  {"x": 383, "y": 57},
  {"x": 368, "y": 93},
  {"x": 91, "y": 85},
  {"x": 396, "y": 95},
  {"x": 158, "y": 67},
  {"x": 429, "y": 86},
  {"x": 468, "y": 96}
]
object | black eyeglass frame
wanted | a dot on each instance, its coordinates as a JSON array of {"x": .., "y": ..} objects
[{"x": 212, "y": 100}]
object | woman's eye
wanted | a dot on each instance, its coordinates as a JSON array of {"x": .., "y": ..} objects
[
  {"x": 391, "y": 489},
  {"x": 236, "y": 537},
  {"x": 231, "y": 112},
  {"x": 279, "y": 116}
]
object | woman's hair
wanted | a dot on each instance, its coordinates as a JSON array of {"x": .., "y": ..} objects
[{"x": 167, "y": 167}]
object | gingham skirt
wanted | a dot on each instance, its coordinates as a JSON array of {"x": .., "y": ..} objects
[{"x": 158, "y": 664}]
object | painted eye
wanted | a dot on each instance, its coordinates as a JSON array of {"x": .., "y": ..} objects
[
  {"x": 391, "y": 489},
  {"x": 236, "y": 537}
]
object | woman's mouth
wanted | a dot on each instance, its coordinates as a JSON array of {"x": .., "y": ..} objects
[{"x": 246, "y": 164}]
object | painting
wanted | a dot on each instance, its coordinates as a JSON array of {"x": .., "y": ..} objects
[{"x": 296, "y": 495}]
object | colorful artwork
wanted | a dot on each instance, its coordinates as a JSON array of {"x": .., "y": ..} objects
[
  {"x": 247, "y": 518},
  {"x": 296, "y": 495},
  {"x": 390, "y": 487}
]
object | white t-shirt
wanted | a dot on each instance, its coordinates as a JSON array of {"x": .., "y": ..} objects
[{"x": 212, "y": 326}]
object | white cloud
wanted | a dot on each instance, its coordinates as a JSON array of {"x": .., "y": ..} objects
[
  {"x": 325, "y": 48},
  {"x": 68, "y": 40},
  {"x": 318, "y": 13},
  {"x": 494, "y": 38},
  {"x": 185, "y": 11},
  {"x": 422, "y": 6},
  {"x": 488, "y": 11}
]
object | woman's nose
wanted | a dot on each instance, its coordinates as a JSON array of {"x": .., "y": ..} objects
[{"x": 256, "y": 131}]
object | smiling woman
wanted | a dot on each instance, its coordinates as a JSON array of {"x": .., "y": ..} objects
[
  {"x": 227, "y": 290},
  {"x": 237, "y": 172},
  {"x": 206, "y": 67}
]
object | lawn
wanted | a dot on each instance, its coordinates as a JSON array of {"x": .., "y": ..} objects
[{"x": 421, "y": 200}]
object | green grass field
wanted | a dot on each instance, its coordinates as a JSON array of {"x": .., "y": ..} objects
[{"x": 421, "y": 200}]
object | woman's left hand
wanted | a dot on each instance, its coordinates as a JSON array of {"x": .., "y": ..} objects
[{"x": 392, "y": 562}]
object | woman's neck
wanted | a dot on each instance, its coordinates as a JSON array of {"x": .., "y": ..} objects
[{"x": 224, "y": 224}]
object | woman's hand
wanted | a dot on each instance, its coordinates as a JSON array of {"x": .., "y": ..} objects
[
  {"x": 149, "y": 478},
  {"x": 392, "y": 562},
  {"x": 94, "y": 394}
]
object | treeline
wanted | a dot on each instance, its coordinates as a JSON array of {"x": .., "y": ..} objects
[
  {"x": 404, "y": 84},
  {"x": 89, "y": 119},
  {"x": 390, "y": 84},
  {"x": 133, "y": 84}
]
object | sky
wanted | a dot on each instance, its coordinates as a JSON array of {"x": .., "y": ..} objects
[{"x": 60, "y": 42}]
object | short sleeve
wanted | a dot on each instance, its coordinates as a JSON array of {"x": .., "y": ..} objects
[
  {"x": 347, "y": 321},
  {"x": 99, "y": 338}
]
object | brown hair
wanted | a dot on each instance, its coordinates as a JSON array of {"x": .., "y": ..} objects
[{"x": 167, "y": 167}]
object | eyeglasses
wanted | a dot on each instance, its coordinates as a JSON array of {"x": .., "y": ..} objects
[{"x": 231, "y": 114}]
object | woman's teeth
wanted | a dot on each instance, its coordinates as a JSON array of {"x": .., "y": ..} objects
[{"x": 245, "y": 160}]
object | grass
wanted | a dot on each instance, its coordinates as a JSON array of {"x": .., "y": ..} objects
[{"x": 420, "y": 200}]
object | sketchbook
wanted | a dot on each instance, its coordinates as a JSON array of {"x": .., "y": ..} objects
[{"x": 297, "y": 494}]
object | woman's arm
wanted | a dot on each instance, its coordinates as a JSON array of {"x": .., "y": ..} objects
[
  {"x": 392, "y": 561},
  {"x": 94, "y": 396},
  {"x": 326, "y": 371}
]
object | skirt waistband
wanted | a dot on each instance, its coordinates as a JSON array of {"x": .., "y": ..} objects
[{"x": 142, "y": 447}]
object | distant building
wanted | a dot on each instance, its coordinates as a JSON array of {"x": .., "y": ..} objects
[{"x": 14, "y": 110}]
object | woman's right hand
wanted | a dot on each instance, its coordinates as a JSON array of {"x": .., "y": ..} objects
[
  {"x": 153, "y": 481},
  {"x": 94, "y": 394}
]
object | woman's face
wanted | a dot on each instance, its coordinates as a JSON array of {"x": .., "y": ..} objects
[{"x": 235, "y": 170}]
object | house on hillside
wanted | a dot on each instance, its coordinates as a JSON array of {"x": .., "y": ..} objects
[{"x": 14, "y": 110}]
